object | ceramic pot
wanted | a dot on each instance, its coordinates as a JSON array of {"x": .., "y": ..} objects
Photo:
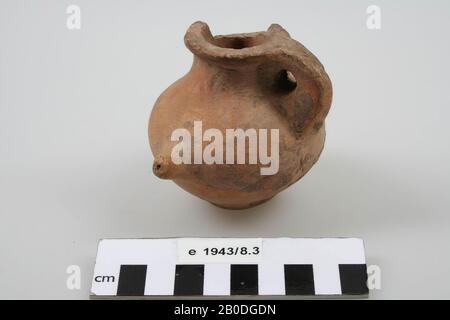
[{"x": 258, "y": 81}]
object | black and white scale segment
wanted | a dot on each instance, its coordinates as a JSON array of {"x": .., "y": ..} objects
[{"x": 289, "y": 267}]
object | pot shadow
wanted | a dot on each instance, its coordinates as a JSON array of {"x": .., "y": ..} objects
[{"x": 340, "y": 196}]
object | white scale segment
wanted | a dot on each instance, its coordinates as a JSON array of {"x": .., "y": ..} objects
[{"x": 220, "y": 267}]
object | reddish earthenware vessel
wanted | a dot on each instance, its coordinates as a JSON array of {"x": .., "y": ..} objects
[{"x": 262, "y": 80}]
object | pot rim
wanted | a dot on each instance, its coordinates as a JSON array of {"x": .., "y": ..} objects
[{"x": 234, "y": 47}]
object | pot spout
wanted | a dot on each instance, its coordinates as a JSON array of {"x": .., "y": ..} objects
[{"x": 163, "y": 168}]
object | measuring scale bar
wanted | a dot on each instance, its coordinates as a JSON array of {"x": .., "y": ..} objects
[{"x": 230, "y": 268}]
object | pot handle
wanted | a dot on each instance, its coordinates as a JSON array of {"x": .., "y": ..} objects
[{"x": 307, "y": 99}]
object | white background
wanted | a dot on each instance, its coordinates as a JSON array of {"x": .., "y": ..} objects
[{"x": 76, "y": 166}]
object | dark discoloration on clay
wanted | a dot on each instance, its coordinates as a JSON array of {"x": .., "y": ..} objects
[
  {"x": 299, "y": 115},
  {"x": 318, "y": 126},
  {"x": 251, "y": 80}
]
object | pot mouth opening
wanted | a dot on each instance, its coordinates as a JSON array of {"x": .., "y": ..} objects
[{"x": 238, "y": 42}]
